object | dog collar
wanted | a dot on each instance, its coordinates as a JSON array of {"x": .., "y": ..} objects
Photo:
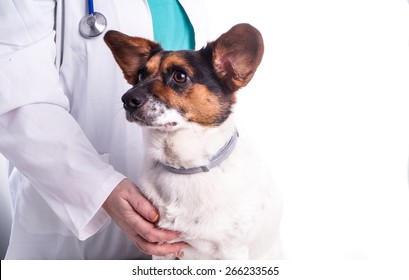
[{"x": 215, "y": 160}]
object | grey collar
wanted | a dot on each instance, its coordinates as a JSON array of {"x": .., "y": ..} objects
[{"x": 215, "y": 160}]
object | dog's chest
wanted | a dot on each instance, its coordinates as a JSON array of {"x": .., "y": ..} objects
[
  {"x": 208, "y": 211},
  {"x": 214, "y": 211},
  {"x": 195, "y": 204},
  {"x": 208, "y": 205}
]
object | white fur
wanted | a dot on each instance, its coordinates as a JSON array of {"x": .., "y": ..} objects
[{"x": 231, "y": 212}]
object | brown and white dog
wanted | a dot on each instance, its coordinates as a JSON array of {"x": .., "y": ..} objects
[{"x": 202, "y": 177}]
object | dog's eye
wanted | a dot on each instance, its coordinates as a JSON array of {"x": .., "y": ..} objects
[
  {"x": 141, "y": 76},
  {"x": 179, "y": 76}
]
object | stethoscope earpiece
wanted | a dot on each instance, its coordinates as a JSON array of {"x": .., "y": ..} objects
[{"x": 93, "y": 24}]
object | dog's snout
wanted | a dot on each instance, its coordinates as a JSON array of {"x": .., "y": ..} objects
[
  {"x": 133, "y": 101},
  {"x": 136, "y": 101}
]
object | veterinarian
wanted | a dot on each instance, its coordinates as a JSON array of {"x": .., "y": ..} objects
[{"x": 63, "y": 127}]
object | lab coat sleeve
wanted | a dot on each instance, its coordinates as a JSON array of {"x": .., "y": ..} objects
[{"x": 37, "y": 133}]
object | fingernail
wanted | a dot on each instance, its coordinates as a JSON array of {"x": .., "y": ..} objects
[
  {"x": 180, "y": 254},
  {"x": 153, "y": 216}
]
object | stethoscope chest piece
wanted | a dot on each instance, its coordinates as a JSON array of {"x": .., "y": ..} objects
[{"x": 92, "y": 24}]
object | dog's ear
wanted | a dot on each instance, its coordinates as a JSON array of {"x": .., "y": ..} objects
[
  {"x": 237, "y": 54},
  {"x": 131, "y": 53}
]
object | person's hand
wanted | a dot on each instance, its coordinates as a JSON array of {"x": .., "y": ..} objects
[{"x": 136, "y": 216}]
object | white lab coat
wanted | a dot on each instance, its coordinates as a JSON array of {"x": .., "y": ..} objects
[{"x": 63, "y": 127}]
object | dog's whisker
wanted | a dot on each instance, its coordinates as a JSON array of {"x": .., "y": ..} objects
[{"x": 119, "y": 108}]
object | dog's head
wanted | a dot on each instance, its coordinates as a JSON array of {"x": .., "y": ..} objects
[{"x": 174, "y": 88}]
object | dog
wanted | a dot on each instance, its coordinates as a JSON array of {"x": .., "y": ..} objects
[{"x": 200, "y": 174}]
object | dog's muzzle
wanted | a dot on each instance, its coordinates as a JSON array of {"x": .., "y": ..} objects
[{"x": 133, "y": 99}]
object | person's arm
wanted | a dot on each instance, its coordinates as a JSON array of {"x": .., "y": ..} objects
[{"x": 40, "y": 137}]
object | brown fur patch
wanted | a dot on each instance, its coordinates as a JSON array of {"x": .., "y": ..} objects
[
  {"x": 153, "y": 64},
  {"x": 205, "y": 108},
  {"x": 177, "y": 60},
  {"x": 198, "y": 104}
]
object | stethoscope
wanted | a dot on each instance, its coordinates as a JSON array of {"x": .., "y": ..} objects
[{"x": 93, "y": 24}]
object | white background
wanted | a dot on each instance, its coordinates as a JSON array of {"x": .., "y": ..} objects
[{"x": 329, "y": 110}]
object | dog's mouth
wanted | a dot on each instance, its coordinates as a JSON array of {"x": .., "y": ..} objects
[{"x": 149, "y": 121}]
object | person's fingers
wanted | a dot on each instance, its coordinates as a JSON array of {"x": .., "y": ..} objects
[
  {"x": 150, "y": 233},
  {"x": 159, "y": 249},
  {"x": 143, "y": 206},
  {"x": 135, "y": 215},
  {"x": 152, "y": 240}
]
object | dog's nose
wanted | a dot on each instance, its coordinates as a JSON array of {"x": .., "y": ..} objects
[
  {"x": 133, "y": 101},
  {"x": 136, "y": 101}
]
